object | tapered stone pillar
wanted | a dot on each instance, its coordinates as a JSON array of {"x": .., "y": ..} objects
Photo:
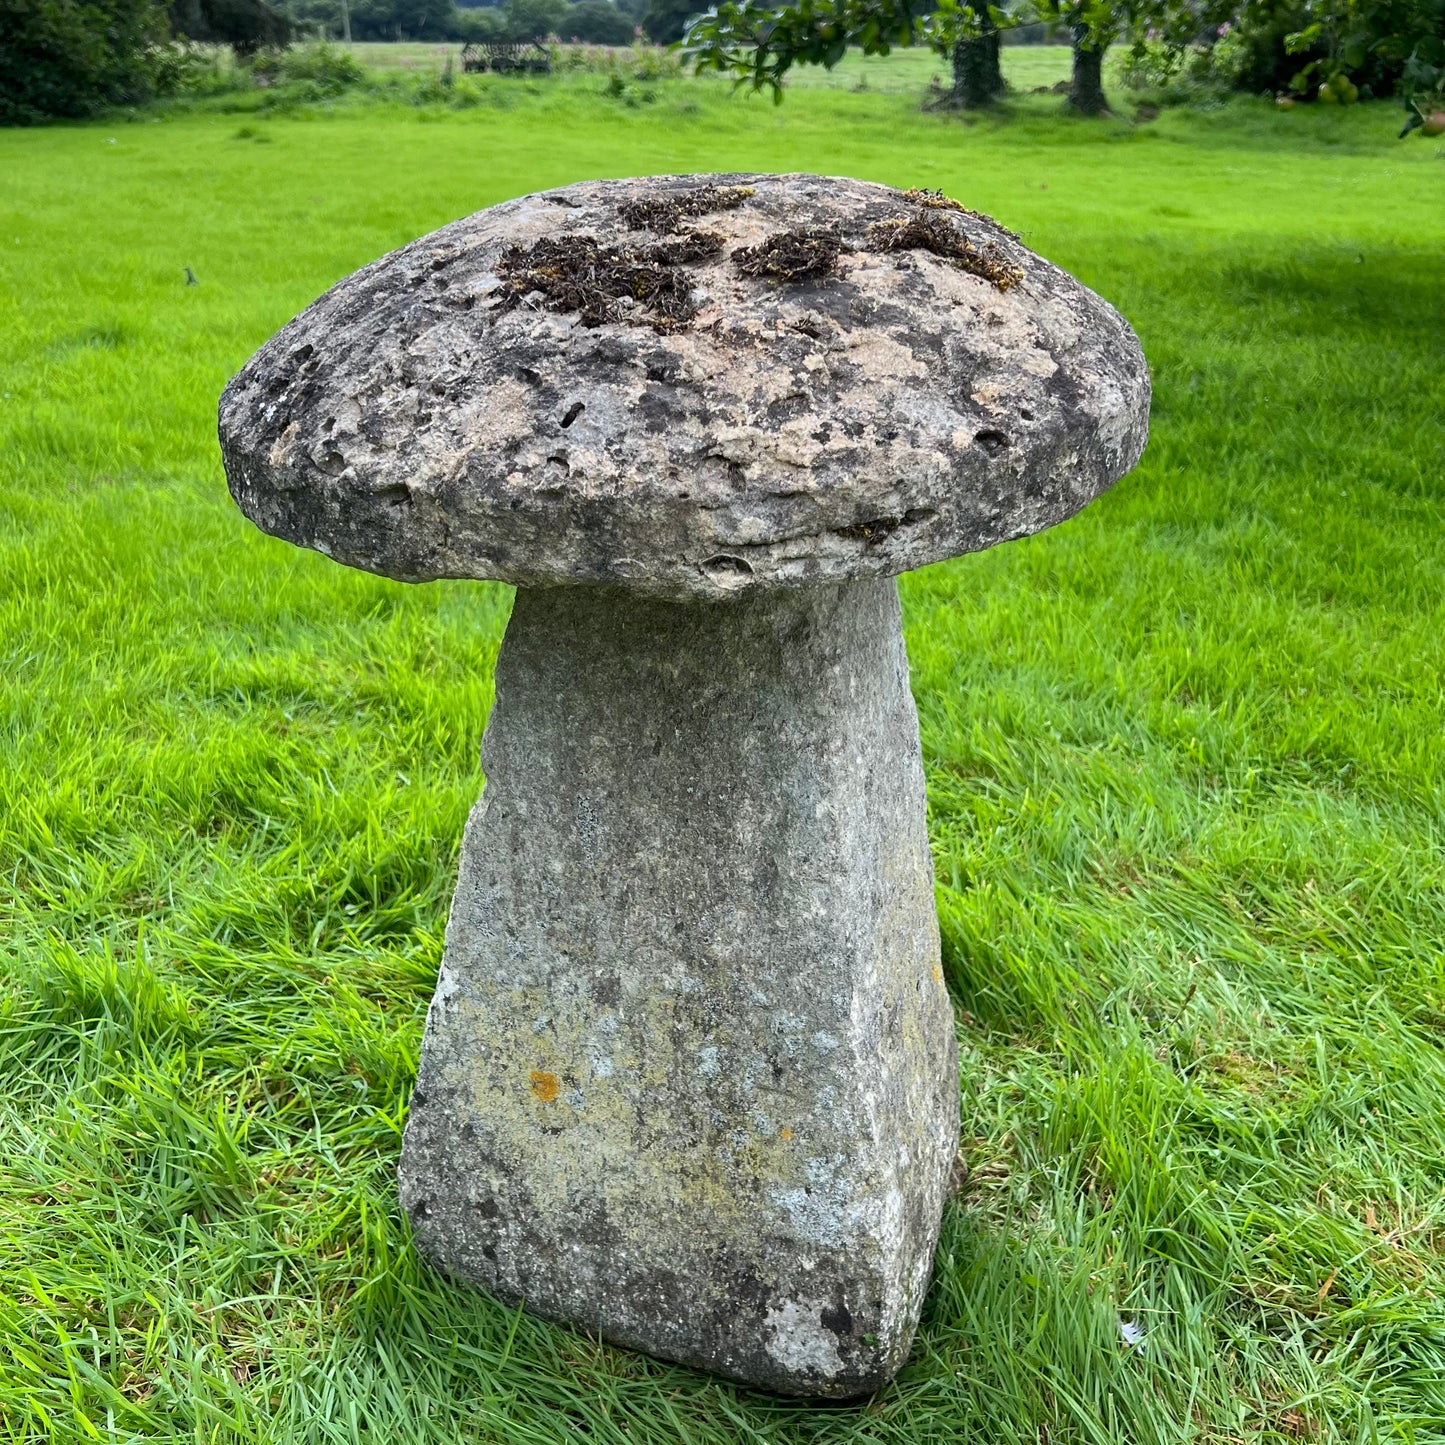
[{"x": 690, "y": 1079}]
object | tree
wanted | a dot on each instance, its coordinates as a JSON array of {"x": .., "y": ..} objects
[
  {"x": 666, "y": 20},
  {"x": 974, "y": 56},
  {"x": 761, "y": 42},
  {"x": 534, "y": 19},
  {"x": 245, "y": 25},
  {"x": 72, "y": 57},
  {"x": 596, "y": 22},
  {"x": 1327, "y": 48},
  {"x": 1086, "y": 79},
  {"x": 1092, "y": 24},
  {"x": 1423, "y": 85},
  {"x": 403, "y": 19}
]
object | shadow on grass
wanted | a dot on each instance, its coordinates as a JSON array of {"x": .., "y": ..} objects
[{"x": 1392, "y": 291}]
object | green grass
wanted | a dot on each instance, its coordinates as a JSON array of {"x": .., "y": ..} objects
[{"x": 1186, "y": 766}]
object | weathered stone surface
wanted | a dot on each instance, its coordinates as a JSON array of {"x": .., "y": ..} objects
[
  {"x": 423, "y": 419},
  {"x": 690, "y": 1078}
]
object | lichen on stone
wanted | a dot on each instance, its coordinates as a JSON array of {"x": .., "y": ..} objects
[
  {"x": 798, "y": 255},
  {"x": 933, "y": 200},
  {"x": 927, "y": 229},
  {"x": 665, "y": 214},
  {"x": 636, "y": 283}
]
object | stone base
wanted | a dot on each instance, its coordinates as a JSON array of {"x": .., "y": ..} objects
[{"x": 689, "y": 1079}]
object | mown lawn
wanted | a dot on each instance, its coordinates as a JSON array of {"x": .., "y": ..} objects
[{"x": 1186, "y": 760}]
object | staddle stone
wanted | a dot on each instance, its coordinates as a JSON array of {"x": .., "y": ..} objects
[
  {"x": 691, "y": 1038},
  {"x": 689, "y": 1079}
]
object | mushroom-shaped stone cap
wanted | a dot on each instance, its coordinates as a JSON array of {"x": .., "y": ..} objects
[{"x": 689, "y": 385}]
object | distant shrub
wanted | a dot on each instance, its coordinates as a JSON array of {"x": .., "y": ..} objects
[
  {"x": 330, "y": 69},
  {"x": 655, "y": 62},
  {"x": 73, "y": 57}
]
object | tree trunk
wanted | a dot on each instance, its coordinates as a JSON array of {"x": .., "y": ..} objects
[
  {"x": 977, "y": 77},
  {"x": 995, "y": 68},
  {"x": 1086, "y": 89}
]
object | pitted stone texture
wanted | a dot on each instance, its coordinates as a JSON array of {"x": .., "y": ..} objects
[
  {"x": 690, "y": 1077},
  {"x": 899, "y": 412}
]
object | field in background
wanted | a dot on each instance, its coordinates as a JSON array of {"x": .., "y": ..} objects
[
  {"x": 405, "y": 54},
  {"x": 1186, "y": 767},
  {"x": 911, "y": 71},
  {"x": 904, "y": 71}
]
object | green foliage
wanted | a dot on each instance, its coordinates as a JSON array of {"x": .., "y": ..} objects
[
  {"x": 245, "y": 25},
  {"x": 1336, "y": 50},
  {"x": 1423, "y": 84},
  {"x": 72, "y": 57},
  {"x": 1185, "y": 754},
  {"x": 325, "y": 69},
  {"x": 761, "y": 42},
  {"x": 480, "y": 23},
  {"x": 665, "y": 21},
  {"x": 598, "y": 23},
  {"x": 1177, "y": 75},
  {"x": 403, "y": 19},
  {"x": 534, "y": 19}
]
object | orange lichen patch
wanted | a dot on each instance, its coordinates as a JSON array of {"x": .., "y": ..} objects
[
  {"x": 545, "y": 1085},
  {"x": 937, "y": 974},
  {"x": 785, "y": 1133}
]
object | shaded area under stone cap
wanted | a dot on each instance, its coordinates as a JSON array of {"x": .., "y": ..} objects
[{"x": 689, "y": 385}]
